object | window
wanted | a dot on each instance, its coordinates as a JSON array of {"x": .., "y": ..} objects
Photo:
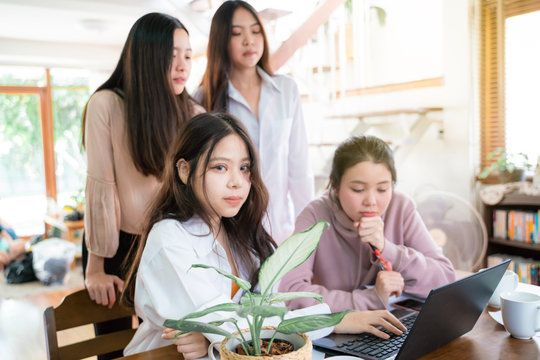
[
  {"x": 350, "y": 54},
  {"x": 69, "y": 94},
  {"x": 40, "y": 159},
  {"x": 509, "y": 77},
  {"x": 22, "y": 179}
]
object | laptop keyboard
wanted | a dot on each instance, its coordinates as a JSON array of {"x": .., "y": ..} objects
[{"x": 368, "y": 344}]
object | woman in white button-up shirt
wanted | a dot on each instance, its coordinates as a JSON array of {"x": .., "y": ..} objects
[
  {"x": 238, "y": 79},
  {"x": 209, "y": 211}
]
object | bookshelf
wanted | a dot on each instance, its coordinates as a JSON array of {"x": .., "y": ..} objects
[{"x": 523, "y": 251}]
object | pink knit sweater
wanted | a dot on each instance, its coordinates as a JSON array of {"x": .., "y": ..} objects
[{"x": 342, "y": 265}]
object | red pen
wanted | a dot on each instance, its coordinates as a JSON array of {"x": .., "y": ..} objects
[{"x": 384, "y": 264}]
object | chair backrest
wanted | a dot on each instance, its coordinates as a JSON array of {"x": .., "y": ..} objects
[{"x": 78, "y": 309}]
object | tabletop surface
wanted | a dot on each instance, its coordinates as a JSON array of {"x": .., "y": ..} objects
[{"x": 487, "y": 340}]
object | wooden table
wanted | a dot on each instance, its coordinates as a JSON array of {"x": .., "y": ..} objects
[
  {"x": 163, "y": 353},
  {"x": 488, "y": 340},
  {"x": 69, "y": 227}
]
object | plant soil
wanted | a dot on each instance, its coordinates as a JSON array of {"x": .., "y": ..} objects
[{"x": 279, "y": 347}]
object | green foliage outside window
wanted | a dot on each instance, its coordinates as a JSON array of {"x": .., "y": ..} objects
[
  {"x": 21, "y": 146},
  {"x": 20, "y": 141}
]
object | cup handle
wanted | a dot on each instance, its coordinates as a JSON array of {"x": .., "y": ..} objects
[
  {"x": 516, "y": 280},
  {"x": 537, "y": 318},
  {"x": 211, "y": 349}
]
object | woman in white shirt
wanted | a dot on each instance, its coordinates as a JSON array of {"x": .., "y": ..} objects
[
  {"x": 238, "y": 80},
  {"x": 209, "y": 210}
]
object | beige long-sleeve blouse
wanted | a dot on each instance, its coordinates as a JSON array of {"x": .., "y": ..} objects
[{"x": 117, "y": 195}]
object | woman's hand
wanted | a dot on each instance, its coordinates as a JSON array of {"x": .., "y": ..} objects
[
  {"x": 389, "y": 283},
  {"x": 371, "y": 231},
  {"x": 101, "y": 286},
  {"x": 191, "y": 345},
  {"x": 357, "y": 322}
]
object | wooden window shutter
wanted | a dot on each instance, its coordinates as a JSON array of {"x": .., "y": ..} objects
[
  {"x": 493, "y": 14},
  {"x": 492, "y": 134}
]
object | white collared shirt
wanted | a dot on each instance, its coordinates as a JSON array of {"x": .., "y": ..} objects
[
  {"x": 166, "y": 288},
  {"x": 280, "y": 137}
]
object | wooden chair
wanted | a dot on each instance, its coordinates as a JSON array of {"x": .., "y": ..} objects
[{"x": 78, "y": 309}]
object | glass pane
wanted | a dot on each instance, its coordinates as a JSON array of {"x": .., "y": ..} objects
[
  {"x": 523, "y": 84},
  {"x": 414, "y": 28},
  {"x": 70, "y": 162},
  {"x": 22, "y": 75},
  {"x": 22, "y": 179},
  {"x": 69, "y": 78}
]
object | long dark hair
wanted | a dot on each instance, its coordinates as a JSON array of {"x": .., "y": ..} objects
[
  {"x": 247, "y": 237},
  {"x": 216, "y": 76},
  {"x": 357, "y": 149},
  {"x": 153, "y": 113}
]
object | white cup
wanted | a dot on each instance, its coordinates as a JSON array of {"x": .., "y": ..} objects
[
  {"x": 509, "y": 282},
  {"x": 520, "y": 313}
]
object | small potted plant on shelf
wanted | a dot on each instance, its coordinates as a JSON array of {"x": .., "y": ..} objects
[
  {"x": 288, "y": 337},
  {"x": 510, "y": 166}
]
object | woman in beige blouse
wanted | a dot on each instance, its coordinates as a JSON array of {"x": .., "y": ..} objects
[{"x": 129, "y": 124}]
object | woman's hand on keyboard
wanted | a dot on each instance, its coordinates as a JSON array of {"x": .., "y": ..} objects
[{"x": 357, "y": 322}]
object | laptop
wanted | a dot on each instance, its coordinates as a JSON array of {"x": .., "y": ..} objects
[{"x": 448, "y": 312}]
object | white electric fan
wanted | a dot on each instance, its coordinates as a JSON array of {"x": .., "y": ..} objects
[{"x": 456, "y": 226}]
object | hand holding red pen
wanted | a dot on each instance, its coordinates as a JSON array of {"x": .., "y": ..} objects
[{"x": 371, "y": 230}]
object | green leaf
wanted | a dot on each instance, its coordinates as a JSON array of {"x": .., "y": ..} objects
[
  {"x": 196, "y": 326},
  {"x": 221, "y": 322},
  {"x": 310, "y": 322},
  {"x": 244, "y": 284},
  {"x": 276, "y": 297},
  {"x": 220, "y": 307},
  {"x": 262, "y": 310},
  {"x": 290, "y": 254},
  {"x": 247, "y": 300}
]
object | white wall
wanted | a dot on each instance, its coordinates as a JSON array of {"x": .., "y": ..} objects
[
  {"x": 437, "y": 162},
  {"x": 445, "y": 163}
]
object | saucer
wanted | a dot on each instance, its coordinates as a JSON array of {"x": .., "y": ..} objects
[{"x": 497, "y": 316}]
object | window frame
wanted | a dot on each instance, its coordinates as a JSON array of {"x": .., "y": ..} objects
[{"x": 493, "y": 14}]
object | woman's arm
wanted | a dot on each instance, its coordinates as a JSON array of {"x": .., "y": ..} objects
[
  {"x": 301, "y": 278},
  {"x": 102, "y": 213},
  {"x": 416, "y": 256}
]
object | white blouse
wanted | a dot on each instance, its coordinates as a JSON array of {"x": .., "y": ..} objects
[
  {"x": 166, "y": 288},
  {"x": 280, "y": 136}
]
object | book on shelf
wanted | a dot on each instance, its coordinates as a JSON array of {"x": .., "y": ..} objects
[
  {"x": 528, "y": 270},
  {"x": 516, "y": 225}
]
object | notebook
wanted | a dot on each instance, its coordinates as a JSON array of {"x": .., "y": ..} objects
[{"x": 448, "y": 312}]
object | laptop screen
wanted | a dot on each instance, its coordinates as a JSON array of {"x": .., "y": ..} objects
[{"x": 449, "y": 312}]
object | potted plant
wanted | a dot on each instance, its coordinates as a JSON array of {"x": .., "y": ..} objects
[
  {"x": 511, "y": 166},
  {"x": 255, "y": 307}
]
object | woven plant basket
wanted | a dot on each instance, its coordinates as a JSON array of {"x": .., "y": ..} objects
[{"x": 302, "y": 346}]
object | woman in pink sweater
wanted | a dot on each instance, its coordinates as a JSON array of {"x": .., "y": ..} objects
[{"x": 363, "y": 210}]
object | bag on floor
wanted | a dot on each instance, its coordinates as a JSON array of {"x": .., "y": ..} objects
[
  {"x": 52, "y": 260},
  {"x": 20, "y": 271}
]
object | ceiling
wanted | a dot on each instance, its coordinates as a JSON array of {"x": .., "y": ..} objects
[
  {"x": 36, "y": 31},
  {"x": 91, "y": 33}
]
